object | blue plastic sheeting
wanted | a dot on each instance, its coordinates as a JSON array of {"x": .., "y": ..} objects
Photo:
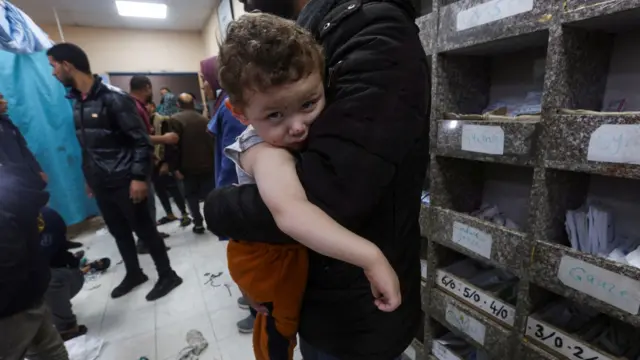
[
  {"x": 38, "y": 107},
  {"x": 18, "y": 33}
]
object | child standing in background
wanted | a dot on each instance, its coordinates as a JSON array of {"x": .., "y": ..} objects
[{"x": 273, "y": 72}]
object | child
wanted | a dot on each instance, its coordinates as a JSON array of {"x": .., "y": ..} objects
[{"x": 273, "y": 71}]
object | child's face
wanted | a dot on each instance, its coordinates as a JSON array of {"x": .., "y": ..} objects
[{"x": 283, "y": 114}]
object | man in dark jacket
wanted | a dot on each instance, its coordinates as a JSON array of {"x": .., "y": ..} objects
[
  {"x": 196, "y": 165},
  {"x": 25, "y": 320},
  {"x": 117, "y": 162},
  {"x": 364, "y": 165}
]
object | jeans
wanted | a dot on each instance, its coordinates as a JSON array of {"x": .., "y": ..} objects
[
  {"x": 31, "y": 333},
  {"x": 64, "y": 285},
  {"x": 122, "y": 217},
  {"x": 166, "y": 186},
  {"x": 311, "y": 353},
  {"x": 196, "y": 189}
]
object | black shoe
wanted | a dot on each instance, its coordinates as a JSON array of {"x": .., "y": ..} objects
[
  {"x": 164, "y": 235},
  {"x": 129, "y": 283},
  {"x": 73, "y": 245},
  {"x": 141, "y": 248},
  {"x": 198, "y": 229},
  {"x": 164, "y": 286},
  {"x": 185, "y": 221}
]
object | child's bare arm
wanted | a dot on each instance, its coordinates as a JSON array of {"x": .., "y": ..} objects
[{"x": 280, "y": 188}]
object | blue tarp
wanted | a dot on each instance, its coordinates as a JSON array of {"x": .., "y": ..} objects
[
  {"x": 18, "y": 33},
  {"x": 38, "y": 107}
]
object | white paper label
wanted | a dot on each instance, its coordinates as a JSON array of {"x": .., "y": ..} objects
[
  {"x": 473, "y": 239},
  {"x": 491, "y": 11},
  {"x": 485, "y": 302},
  {"x": 483, "y": 139},
  {"x": 560, "y": 342},
  {"x": 465, "y": 323},
  {"x": 617, "y": 290},
  {"x": 423, "y": 268},
  {"x": 411, "y": 352},
  {"x": 442, "y": 352},
  {"x": 615, "y": 144}
]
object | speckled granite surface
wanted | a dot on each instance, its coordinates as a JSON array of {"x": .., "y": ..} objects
[
  {"x": 464, "y": 84},
  {"x": 428, "y": 25},
  {"x": 577, "y": 10},
  {"x": 567, "y": 144},
  {"x": 531, "y": 351},
  {"x": 508, "y": 247},
  {"x": 456, "y": 184},
  {"x": 544, "y": 272},
  {"x": 519, "y": 141},
  {"x": 496, "y": 336},
  {"x": 450, "y": 38}
]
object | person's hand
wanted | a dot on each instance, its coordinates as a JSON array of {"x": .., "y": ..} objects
[
  {"x": 259, "y": 308},
  {"x": 89, "y": 191},
  {"x": 178, "y": 175},
  {"x": 138, "y": 191},
  {"x": 4, "y": 106},
  {"x": 171, "y": 138},
  {"x": 164, "y": 169},
  {"x": 384, "y": 284}
]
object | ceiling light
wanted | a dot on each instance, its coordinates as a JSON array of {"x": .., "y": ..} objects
[{"x": 142, "y": 9}]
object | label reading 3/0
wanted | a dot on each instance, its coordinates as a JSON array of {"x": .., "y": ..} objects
[
  {"x": 478, "y": 298},
  {"x": 560, "y": 342}
]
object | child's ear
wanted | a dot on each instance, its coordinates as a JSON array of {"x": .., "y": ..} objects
[{"x": 236, "y": 113}]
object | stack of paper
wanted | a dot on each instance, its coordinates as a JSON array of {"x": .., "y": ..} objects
[{"x": 591, "y": 230}]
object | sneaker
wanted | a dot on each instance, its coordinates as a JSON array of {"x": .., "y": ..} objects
[
  {"x": 198, "y": 229},
  {"x": 73, "y": 245},
  {"x": 185, "y": 221},
  {"x": 164, "y": 235},
  {"x": 73, "y": 332},
  {"x": 164, "y": 286},
  {"x": 245, "y": 326},
  {"x": 243, "y": 303},
  {"x": 167, "y": 219},
  {"x": 129, "y": 283}
]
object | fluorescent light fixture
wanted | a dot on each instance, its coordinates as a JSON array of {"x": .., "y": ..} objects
[{"x": 142, "y": 9}]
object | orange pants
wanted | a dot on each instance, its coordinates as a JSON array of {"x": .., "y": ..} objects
[{"x": 274, "y": 276}]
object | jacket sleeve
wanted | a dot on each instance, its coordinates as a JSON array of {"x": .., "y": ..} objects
[
  {"x": 374, "y": 116},
  {"x": 125, "y": 114},
  {"x": 231, "y": 129}
]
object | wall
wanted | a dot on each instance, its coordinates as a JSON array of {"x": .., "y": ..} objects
[
  {"x": 123, "y": 50},
  {"x": 211, "y": 32}
]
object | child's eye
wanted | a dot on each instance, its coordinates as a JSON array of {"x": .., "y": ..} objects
[
  {"x": 275, "y": 116},
  {"x": 308, "y": 105}
]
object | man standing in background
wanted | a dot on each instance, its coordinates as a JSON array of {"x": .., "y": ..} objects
[
  {"x": 168, "y": 102},
  {"x": 117, "y": 161},
  {"x": 25, "y": 319},
  {"x": 196, "y": 164}
]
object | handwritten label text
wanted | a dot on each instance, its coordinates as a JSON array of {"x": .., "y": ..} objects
[
  {"x": 491, "y": 11},
  {"x": 465, "y": 323},
  {"x": 615, "y": 144},
  {"x": 483, "y": 139},
  {"x": 473, "y": 239}
]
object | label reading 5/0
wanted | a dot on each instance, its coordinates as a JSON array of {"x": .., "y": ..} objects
[
  {"x": 465, "y": 323},
  {"x": 559, "y": 342},
  {"x": 487, "y": 303}
]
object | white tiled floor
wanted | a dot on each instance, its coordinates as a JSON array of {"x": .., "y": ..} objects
[{"x": 133, "y": 327}]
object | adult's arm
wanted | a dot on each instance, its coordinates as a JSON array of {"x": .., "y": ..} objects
[
  {"x": 371, "y": 122},
  {"x": 126, "y": 117}
]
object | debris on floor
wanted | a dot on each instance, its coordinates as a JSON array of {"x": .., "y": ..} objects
[
  {"x": 211, "y": 278},
  {"x": 197, "y": 345},
  {"x": 84, "y": 347}
]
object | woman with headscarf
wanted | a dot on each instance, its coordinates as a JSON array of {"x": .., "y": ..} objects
[{"x": 225, "y": 128}]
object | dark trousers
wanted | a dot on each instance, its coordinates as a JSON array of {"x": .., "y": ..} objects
[
  {"x": 166, "y": 187},
  {"x": 65, "y": 284},
  {"x": 122, "y": 217},
  {"x": 196, "y": 189},
  {"x": 311, "y": 353}
]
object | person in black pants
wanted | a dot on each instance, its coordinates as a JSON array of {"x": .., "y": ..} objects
[
  {"x": 117, "y": 164},
  {"x": 196, "y": 166}
]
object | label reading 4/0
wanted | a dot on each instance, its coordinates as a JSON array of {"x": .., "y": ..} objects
[
  {"x": 473, "y": 239},
  {"x": 488, "y": 304},
  {"x": 441, "y": 352},
  {"x": 560, "y": 342},
  {"x": 465, "y": 323}
]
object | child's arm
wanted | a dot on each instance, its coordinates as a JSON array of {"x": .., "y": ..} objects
[{"x": 275, "y": 174}]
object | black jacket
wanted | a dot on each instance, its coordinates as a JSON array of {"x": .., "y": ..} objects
[
  {"x": 365, "y": 166},
  {"x": 24, "y": 273},
  {"x": 115, "y": 144}
]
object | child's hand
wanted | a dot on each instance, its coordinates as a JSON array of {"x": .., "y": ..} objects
[{"x": 384, "y": 284}]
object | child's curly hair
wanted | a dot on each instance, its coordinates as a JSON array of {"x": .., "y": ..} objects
[{"x": 261, "y": 51}]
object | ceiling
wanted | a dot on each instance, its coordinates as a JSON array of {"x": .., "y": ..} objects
[{"x": 181, "y": 14}]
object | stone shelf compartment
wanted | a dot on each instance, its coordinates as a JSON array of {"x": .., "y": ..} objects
[
  {"x": 475, "y": 328},
  {"x": 454, "y": 281},
  {"x": 415, "y": 351},
  {"x": 509, "y": 141},
  {"x": 531, "y": 351},
  {"x": 478, "y": 239},
  {"x": 609, "y": 287},
  {"x": 600, "y": 14},
  {"x": 600, "y": 144},
  {"x": 469, "y": 23},
  {"x": 428, "y": 25}
]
